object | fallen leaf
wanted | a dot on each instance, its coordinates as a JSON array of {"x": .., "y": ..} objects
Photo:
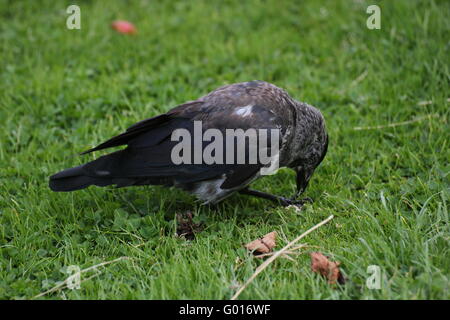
[
  {"x": 328, "y": 269},
  {"x": 125, "y": 27},
  {"x": 264, "y": 244},
  {"x": 186, "y": 227}
]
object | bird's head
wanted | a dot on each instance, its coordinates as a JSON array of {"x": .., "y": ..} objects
[
  {"x": 306, "y": 170},
  {"x": 311, "y": 144}
]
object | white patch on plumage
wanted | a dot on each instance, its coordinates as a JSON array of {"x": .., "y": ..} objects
[
  {"x": 210, "y": 191},
  {"x": 244, "y": 111}
]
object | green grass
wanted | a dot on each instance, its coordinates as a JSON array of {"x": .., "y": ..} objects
[{"x": 63, "y": 91}]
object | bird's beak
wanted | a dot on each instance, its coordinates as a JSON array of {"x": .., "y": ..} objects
[{"x": 303, "y": 176}]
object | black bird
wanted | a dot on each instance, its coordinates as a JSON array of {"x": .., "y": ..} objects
[{"x": 147, "y": 159}]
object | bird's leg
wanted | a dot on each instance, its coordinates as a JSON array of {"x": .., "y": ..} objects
[{"x": 278, "y": 199}]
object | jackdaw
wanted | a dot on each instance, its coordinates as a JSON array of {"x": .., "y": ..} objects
[{"x": 296, "y": 139}]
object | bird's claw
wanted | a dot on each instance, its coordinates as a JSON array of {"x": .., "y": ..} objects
[
  {"x": 305, "y": 200},
  {"x": 295, "y": 202}
]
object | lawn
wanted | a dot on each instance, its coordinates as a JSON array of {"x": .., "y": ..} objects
[{"x": 384, "y": 94}]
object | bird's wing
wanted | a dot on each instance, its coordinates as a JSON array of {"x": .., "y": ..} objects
[
  {"x": 142, "y": 127},
  {"x": 147, "y": 159},
  {"x": 242, "y": 117}
]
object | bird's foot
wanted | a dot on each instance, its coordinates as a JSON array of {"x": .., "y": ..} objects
[{"x": 294, "y": 202}]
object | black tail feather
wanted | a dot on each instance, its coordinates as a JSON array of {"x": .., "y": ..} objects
[{"x": 75, "y": 179}]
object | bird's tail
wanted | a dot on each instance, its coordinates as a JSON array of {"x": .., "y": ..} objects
[{"x": 75, "y": 179}]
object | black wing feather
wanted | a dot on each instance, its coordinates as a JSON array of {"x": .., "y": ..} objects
[{"x": 147, "y": 159}]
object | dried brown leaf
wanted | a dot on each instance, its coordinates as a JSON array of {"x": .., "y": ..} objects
[
  {"x": 264, "y": 244},
  {"x": 328, "y": 269},
  {"x": 186, "y": 227}
]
